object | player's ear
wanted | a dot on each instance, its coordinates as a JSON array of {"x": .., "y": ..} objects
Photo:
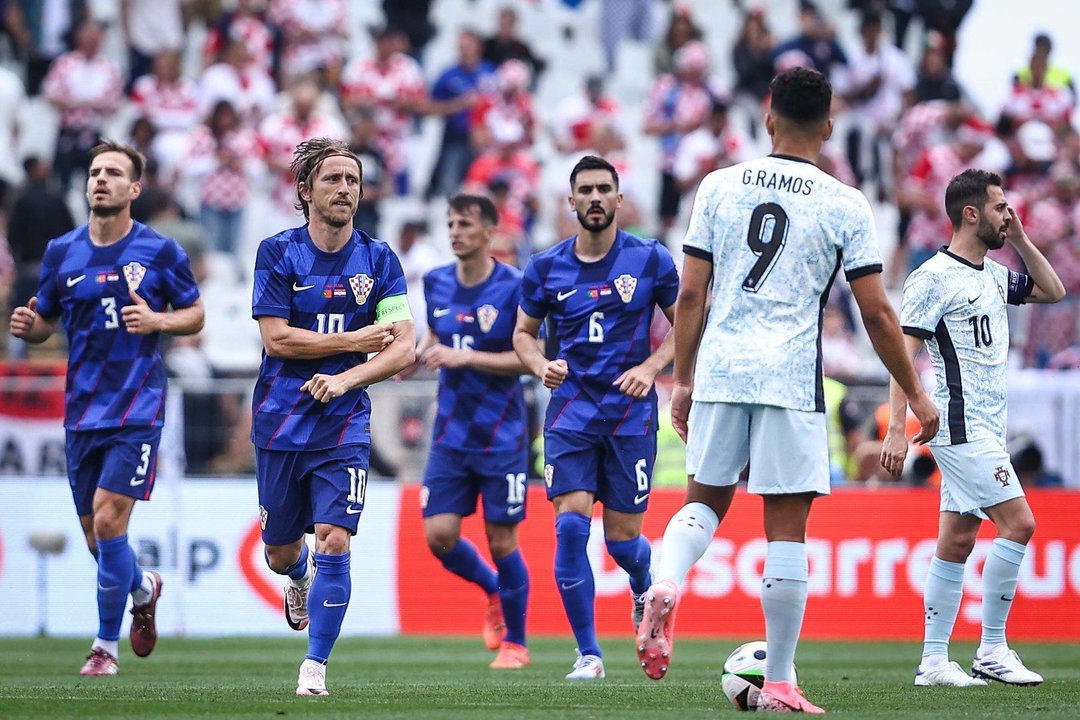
[
  {"x": 827, "y": 129},
  {"x": 136, "y": 189},
  {"x": 971, "y": 214},
  {"x": 770, "y": 123},
  {"x": 303, "y": 191}
]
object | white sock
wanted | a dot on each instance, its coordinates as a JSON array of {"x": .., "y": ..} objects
[
  {"x": 142, "y": 594},
  {"x": 110, "y": 646},
  {"x": 686, "y": 539},
  {"x": 941, "y": 603},
  {"x": 783, "y": 598},
  {"x": 999, "y": 588}
]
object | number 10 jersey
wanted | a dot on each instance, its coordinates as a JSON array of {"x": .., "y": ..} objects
[{"x": 776, "y": 230}]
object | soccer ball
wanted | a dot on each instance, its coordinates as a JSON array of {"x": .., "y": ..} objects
[{"x": 744, "y": 674}]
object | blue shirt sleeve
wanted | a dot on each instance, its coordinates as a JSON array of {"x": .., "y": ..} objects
[
  {"x": 48, "y": 296},
  {"x": 443, "y": 89},
  {"x": 178, "y": 282},
  {"x": 271, "y": 294},
  {"x": 533, "y": 300},
  {"x": 392, "y": 280},
  {"x": 667, "y": 278}
]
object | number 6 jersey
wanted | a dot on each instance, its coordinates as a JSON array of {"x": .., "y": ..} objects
[
  {"x": 776, "y": 230},
  {"x": 958, "y": 308}
]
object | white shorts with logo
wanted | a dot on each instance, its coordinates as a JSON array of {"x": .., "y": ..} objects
[
  {"x": 975, "y": 475},
  {"x": 788, "y": 450}
]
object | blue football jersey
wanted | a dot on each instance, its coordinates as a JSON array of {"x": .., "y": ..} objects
[
  {"x": 114, "y": 378},
  {"x": 477, "y": 410},
  {"x": 326, "y": 293},
  {"x": 602, "y": 312}
]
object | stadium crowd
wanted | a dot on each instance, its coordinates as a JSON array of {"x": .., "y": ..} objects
[{"x": 218, "y": 94}]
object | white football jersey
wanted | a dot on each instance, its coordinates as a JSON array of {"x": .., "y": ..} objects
[
  {"x": 958, "y": 308},
  {"x": 777, "y": 230}
]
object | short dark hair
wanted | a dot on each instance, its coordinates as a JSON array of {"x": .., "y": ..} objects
[
  {"x": 464, "y": 203},
  {"x": 138, "y": 162},
  {"x": 307, "y": 158},
  {"x": 593, "y": 162},
  {"x": 801, "y": 95},
  {"x": 968, "y": 188}
]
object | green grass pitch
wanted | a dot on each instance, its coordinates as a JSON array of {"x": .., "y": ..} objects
[{"x": 448, "y": 678}]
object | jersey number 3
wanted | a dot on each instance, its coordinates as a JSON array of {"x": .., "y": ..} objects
[{"x": 769, "y": 219}]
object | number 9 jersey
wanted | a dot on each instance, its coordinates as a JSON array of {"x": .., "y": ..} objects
[{"x": 776, "y": 230}]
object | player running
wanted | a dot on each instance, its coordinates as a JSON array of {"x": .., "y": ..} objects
[
  {"x": 956, "y": 303},
  {"x": 325, "y": 296},
  {"x": 767, "y": 238},
  {"x": 111, "y": 283},
  {"x": 600, "y": 289}
]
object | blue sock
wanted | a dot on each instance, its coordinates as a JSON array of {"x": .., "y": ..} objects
[
  {"x": 114, "y": 584},
  {"x": 136, "y": 571},
  {"x": 514, "y": 593},
  {"x": 327, "y": 602},
  {"x": 575, "y": 578},
  {"x": 298, "y": 569},
  {"x": 464, "y": 561},
  {"x": 635, "y": 557}
]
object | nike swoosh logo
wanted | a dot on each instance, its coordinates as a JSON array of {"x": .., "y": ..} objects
[
  {"x": 73, "y": 281},
  {"x": 106, "y": 589},
  {"x": 563, "y": 295},
  {"x": 327, "y": 603},
  {"x": 298, "y": 288},
  {"x": 638, "y": 499},
  {"x": 515, "y": 510},
  {"x": 971, "y": 300},
  {"x": 136, "y": 483},
  {"x": 353, "y": 510},
  {"x": 564, "y": 586},
  {"x": 439, "y": 312},
  {"x": 1007, "y": 599}
]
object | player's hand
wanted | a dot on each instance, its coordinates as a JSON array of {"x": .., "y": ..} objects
[
  {"x": 680, "y": 408},
  {"x": 374, "y": 338},
  {"x": 441, "y": 356},
  {"x": 555, "y": 371},
  {"x": 928, "y": 417},
  {"x": 893, "y": 451},
  {"x": 636, "y": 381},
  {"x": 325, "y": 388},
  {"x": 1015, "y": 229},
  {"x": 139, "y": 319},
  {"x": 23, "y": 318}
]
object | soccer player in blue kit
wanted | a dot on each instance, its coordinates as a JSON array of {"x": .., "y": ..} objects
[
  {"x": 325, "y": 296},
  {"x": 111, "y": 284},
  {"x": 600, "y": 289},
  {"x": 480, "y": 439}
]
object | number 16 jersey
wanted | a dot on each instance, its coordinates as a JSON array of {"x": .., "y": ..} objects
[{"x": 776, "y": 230}]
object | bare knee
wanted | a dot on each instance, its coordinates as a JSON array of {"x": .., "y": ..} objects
[
  {"x": 109, "y": 522},
  {"x": 957, "y": 547},
  {"x": 441, "y": 540},
  {"x": 1020, "y": 531},
  {"x": 331, "y": 540},
  {"x": 502, "y": 540},
  {"x": 282, "y": 557}
]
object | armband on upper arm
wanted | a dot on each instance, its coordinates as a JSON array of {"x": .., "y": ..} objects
[{"x": 393, "y": 309}]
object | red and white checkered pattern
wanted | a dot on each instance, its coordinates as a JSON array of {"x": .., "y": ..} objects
[
  {"x": 368, "y": 83},
  {"x": 688, "y": 105},
  {"x": 278, "y": 137},
  {"x": 519, "y": 170},
  {"x": 495, "y": 109},
  {"x": 314, "y": 33},
  {"x": 576, "y": 120},
  {"x": 85, "y": 90},
  {"x": 1050, "y": 105},
  {"x": 254, "y": 32},
  {"x": 921, "y": 127},
  {"x": 933, "y": 170},
  {"x": 251, "y": 91},
  {"x": 169, "y": 106},
  {"x": 223, "y": 185}
]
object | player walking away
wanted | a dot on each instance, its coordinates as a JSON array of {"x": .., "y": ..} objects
[
  {"x": 955, "y": 302},
  {"x": 480, "y": 441},
  {"x": 767, "y": 238},
  {"x": 112, "y": 283},
  {"x": 600, "y": 289},
  {"x": 325, "y": 296}
]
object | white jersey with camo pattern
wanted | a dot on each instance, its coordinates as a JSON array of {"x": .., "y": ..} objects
[
  {"x": 777, "y": 230},
  {"x": 958, "y": 309}
]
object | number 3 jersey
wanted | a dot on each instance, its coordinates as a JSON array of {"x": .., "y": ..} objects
[
  {"x": 114, "y": 378},
  {"x": 776, "y": 230},
  {"x": 959, "y": 309},
  {"x": 478, "y": 410},
  {"x": 324, "y": 293}
]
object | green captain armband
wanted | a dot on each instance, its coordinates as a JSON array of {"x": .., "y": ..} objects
[{"x": 393, "y": 309}]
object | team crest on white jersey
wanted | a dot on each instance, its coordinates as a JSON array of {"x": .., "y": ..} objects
[
  {"x": 134, "y": 274},
  {"x": 625, "y": 285},
  {"x": 486, "y": 316},
  {"x": 549, "y": 474},
  {"x": 361, "y": 287}
]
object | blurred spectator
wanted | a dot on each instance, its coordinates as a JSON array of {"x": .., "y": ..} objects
[
  {"x": 840, "y": 356},
  {"x": 85, "y": 88},
  {"x": 941, "y": 20},
  {"x": 506, "y": 45},
  {"x": 38, "y": 214},
  {"x": 417, "y": 256},
  {"x": 223, "y": 159},
  {"x": 1033, "y": 149},
  {"x": 681, "y": 30},
  {"x": 620, "y": 19},
  {"x": 845, "y": 433},
  {"x": 412, "y": 18},
  {"x": 752, "y": 56},
  {"x": 1030, "y": 470},
  {"x": 814, "y": 47},
  {"x": 877, "y": 84},
  {"x": 1040, "y": 90},
  {"x": 677, "y": 105},
  {"x": 315, "y": 34},
  {"x": 510, "y": 243},
  {"x": 150, "y": 27},
  {"x": 508, "y": 162},
  {"x": 171, "y": 103},
  {"x": 579, "y": 117},
  {"x": 390, "y": 84},
  {"x": 935, "y": 79},
  {"x": 376, "y": 182},
  {"x": 240, "y": 81},
  {"x": 43, "y": 29},
  {"x": 507, "y": 110},
  {"x": 12, "y": 105},
  {"x": 712, "y": 146},
  {"x": 141, "y": 136},
  {"x": 452, "y": 96},
  {"x": 249, "y": 23}
]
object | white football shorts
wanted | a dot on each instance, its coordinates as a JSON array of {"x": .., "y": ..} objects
[
  {"x": 975, "y": 475},
  {"x": 788, "y": 450}
]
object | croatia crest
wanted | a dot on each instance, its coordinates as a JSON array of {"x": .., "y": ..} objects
[
  {"x": 134, "y": 274},
  {"x": 549, "y": 474},
  {"x": 625, "y": 285},
  {"x": 486, "y": 316},
  {"x": 361, "y": 287}
]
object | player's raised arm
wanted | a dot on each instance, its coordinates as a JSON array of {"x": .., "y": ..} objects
[{"x": 1048, "y": 287}]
